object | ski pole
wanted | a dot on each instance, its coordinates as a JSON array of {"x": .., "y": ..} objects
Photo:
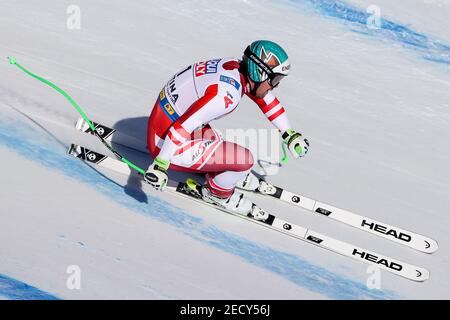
[
  {"x": 13, "y": 61},
  {"x": 285, "y": 158}
]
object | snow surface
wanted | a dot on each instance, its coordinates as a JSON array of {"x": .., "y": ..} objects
[{"x": 373, "y": 103}]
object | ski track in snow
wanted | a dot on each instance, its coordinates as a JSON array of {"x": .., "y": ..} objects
[
  {"x": 430, "y": 49},
  {"x": 16, "y": 136},
  {"x": 11, "y": 289}
]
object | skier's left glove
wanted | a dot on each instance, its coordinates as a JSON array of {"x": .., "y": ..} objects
[
  {"x": 297, "y": 144},
  {"x": 156, "y": 174}
]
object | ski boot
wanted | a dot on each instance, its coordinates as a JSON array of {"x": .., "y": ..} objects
[
  {"x": 255, "y": 184},
  {"x": 236, "y": 203}
]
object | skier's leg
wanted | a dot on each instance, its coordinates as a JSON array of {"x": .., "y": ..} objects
[
  {"x": 234, "y": 163},
  {"x": 225, "y": 164},
  {"x": 230, "y": 164},
  {"x": 207, "y": 152},
  {"x": 158, "y": 125}
]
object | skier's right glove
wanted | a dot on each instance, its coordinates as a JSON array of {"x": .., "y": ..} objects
[
  {"x": 297, "y": 145},
  {"x": 156, "y": 174}
]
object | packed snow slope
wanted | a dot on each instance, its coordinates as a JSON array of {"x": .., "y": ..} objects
[{"x": 374, "y": 103}]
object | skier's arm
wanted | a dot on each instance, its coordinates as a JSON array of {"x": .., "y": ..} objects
[{"x": 274, "y": 111}]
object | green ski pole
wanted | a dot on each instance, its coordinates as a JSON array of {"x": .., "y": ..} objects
[{"x": 13, "y": 61}]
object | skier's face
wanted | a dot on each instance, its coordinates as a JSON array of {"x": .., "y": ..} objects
[{"x": 263, "y": 89}]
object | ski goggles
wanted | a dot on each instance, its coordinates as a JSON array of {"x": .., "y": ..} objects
[{"x": 274, "y": 78}]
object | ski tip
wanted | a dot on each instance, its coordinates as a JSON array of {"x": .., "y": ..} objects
[
  {"x": 74, "y": 150},
  {"x": 82, "y": 125},
  {"x": 430, "y": 246},
  {"x": 79, "y": 123},
  {"x": 71, "y": 149},
  {"x": 421, "y": 275}
]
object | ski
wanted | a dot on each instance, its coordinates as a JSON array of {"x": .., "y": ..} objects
[
  {"x": 112, "y": 135},
  {"x": 398, "y": 235},
  {"x": 184, "y": 189},
  {"x": 401, "y": 236}
]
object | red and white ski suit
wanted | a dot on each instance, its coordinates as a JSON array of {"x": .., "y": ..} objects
[{"x": 179, "y": 130}]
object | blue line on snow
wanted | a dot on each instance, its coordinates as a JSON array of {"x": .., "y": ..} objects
[
  {"x": 16, "y": 290},
  {"x": 31, "y": 144},
  {"x": 431, "y": 49}
]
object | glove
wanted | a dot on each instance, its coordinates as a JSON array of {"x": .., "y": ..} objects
[
  {"x": 156, "y": 174},
  {"x": 297, "y": 145}
]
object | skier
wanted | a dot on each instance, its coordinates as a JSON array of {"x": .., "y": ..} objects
[{"x": 179, "y": 135}]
